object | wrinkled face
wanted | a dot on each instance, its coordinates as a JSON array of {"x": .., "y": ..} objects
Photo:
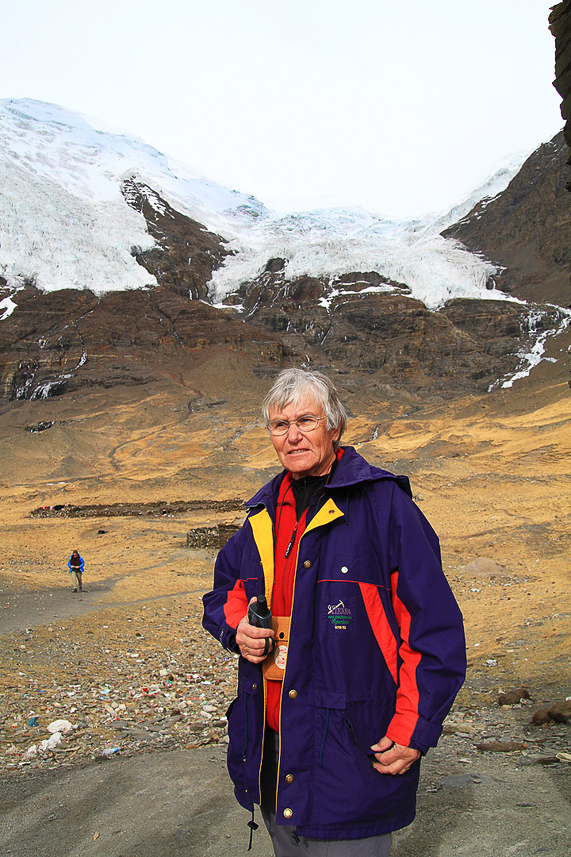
[{"x": 304, "y": 453}]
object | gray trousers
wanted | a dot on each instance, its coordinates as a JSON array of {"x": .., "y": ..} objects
[
  {"x": 284, "y": 838},
  {"x": 287, "y": 844}
]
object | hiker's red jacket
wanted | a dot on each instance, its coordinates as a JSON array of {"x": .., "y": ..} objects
[{"x": 376, "y": 647}]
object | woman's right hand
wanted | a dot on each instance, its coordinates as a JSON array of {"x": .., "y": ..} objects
[{"x": 252, "y": 640}]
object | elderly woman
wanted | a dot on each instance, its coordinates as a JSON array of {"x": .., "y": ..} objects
[{"x": 366, "y": 648}]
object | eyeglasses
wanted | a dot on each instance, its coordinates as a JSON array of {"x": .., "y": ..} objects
[{"x": 304, "y": 424}]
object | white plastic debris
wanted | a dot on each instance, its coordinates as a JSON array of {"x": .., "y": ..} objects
[
  {"x": 60, "y": 726},
  {"x": 50, "y": 743}
]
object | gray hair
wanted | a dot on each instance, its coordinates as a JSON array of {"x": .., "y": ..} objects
[{"x": 292, "y": 384}]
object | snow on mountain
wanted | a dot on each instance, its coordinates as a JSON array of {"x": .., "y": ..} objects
[
  {"x": 332, "y": 242},
  {"x": 64, "y": 221},
  {"x": 486, "y": 192}
]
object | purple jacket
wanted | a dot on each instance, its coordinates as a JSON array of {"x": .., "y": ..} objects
[{"x": 376, "y": 647}]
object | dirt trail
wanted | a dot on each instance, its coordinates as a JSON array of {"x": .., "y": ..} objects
[{"x": 21, "y": 610}]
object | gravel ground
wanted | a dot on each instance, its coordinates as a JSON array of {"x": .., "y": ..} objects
[
  {"x": 138, "y": 770},
  {"x": 180, "y": 802},
  {"x": 145, "y": 677}
]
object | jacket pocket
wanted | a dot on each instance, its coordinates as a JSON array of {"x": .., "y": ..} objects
[
  {"x": 358, "y": 741},
  {"x": 346, "y": 787},
  {"x": 367, "y": 723},
  {"x": 326, "y": 702}
]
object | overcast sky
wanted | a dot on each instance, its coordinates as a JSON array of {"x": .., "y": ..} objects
[{"x": 398, "y": 107}]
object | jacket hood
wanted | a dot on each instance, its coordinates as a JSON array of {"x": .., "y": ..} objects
[{"x": 351, "y": 470}]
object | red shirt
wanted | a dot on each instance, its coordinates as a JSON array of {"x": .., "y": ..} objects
[{"x": 288, "y": 533}]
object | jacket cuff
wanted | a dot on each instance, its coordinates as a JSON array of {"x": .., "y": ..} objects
[
  {"x": 227, "y": 637},
  {"x": 424, "y": 735}
]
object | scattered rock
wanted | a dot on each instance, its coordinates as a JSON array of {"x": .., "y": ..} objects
[
  {"x": 540, "y": 760},
  {"x": 560, "y": 712},
  {"x": 541, "y": 717},
  {"x": 214, "y": 536},
  {"x": 458, "y": 729},
  {"x": 204, "y": 403},
  {"x": 514, "y": 696},
  {"x": 460, "y": 781},
  {"x": 502, "y": 746},
  {"x": 172, "y": 690},
  {"x": 41, "y": 426}
]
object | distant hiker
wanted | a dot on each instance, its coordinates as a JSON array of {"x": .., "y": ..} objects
[
  {"x": 343, "y": 691},
  {"x": 75, "y": 565}
]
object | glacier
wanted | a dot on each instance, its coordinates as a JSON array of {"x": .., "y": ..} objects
[{"x": 65, "y": 224}]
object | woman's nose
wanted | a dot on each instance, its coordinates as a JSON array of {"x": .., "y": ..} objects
[{"x": 293, "y": 431}]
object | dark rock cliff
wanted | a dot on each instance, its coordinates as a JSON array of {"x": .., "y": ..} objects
[
  {"x": 58, "y": 342},
  {"x": 560, "y": 26},
  {"x": 527, "y": 228},
  {"x": 461, "y": 348},
  {"x": 186, "y": 253},
  {"x": 61, "y": 341}
]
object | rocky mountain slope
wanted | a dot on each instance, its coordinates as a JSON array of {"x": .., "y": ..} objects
[
  {"x": 527, "y": 229},
  {"x": 118, "y": 268}
]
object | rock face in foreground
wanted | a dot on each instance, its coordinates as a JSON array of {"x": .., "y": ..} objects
[{"x": 560, "y": 26}]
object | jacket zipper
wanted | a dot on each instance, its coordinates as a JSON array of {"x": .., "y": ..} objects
[{"x": 291, "y": 541}]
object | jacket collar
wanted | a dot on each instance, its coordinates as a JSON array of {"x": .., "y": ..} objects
[{"x": 351, "y": 470}]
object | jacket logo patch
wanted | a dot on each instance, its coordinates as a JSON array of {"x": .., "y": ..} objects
[{"x": 341, "y": 616}]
